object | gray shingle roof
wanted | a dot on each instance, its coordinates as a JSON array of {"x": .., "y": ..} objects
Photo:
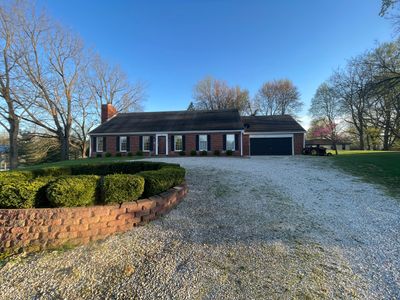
[
  {"x": 281, "y": 123},
  {"x": 171, "y": 121},
  {"x": 204, "y": 120}
]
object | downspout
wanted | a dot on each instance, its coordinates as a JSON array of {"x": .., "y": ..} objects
[
  {"x": 241, "y": 143},
  {"x": 90, "y": 146}
]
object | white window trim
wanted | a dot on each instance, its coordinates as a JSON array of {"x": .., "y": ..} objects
[
  {"x": 97, "y": 144},
  {"x": 234, "y": 142},
  {"x": 203, "y": 141},
  {"x": 120, "y": 143},
  {"x": 143, "y": 143},
  {"x": 175, "y": 143}
]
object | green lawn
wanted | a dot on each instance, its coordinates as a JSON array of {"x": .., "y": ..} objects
[
  {"x": 83, "y": 161},
  {"x": 380, "y": 167}
]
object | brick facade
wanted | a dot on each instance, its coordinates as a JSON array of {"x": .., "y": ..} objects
[
  {"x": 298, "y": 140},
  {"x": 190, "y": 144},
  {"x": 246, "y": 145},
  {"x": 41, "y": 228}
]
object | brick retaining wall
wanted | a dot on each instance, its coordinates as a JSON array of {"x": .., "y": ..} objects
[{"x": 41, "y": 228}]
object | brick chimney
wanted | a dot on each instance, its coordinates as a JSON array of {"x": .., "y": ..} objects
[{"x": 107, "y": 112}]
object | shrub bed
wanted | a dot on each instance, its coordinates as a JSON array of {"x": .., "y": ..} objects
[
  {"x": 18, "y": 191},
  {"x": 87, "y": 184}
]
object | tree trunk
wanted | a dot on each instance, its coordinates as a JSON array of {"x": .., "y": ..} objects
[
  {"x": 386, "y": 138},
  {"x": 361, "y": 139},
  {"x": 84, "y": 150},
  {"x": 64, "y": 142},
  {"x": 13, "y": 137}
]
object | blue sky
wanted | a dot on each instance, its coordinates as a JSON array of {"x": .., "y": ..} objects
[{"x": 173, "y": 44}]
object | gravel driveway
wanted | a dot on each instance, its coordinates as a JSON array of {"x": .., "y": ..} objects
[{"x": 259, "y": 228}]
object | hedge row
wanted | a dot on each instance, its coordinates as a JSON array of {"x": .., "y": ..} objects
[
  {"x": 26, "y": 190},
  {"x": 101, "y": 169}
]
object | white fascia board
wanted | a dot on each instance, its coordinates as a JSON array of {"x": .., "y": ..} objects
[
  {"x": 165, "y": 132},
  {"x": 271, "y": 132},
  {"x": 252, "y": 136}
]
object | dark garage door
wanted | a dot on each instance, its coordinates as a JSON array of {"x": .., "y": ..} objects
[{"x": 271, "y": 146}]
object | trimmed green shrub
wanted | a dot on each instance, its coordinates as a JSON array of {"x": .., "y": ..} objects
[
  {"x": 108, "y": 154},
  {"x": 98, "y": 155},
  {"x": 71, "y": 191},
  {"x": 52, "y": 171},
  {"x": 139, "y": 153},
  {"x": 161, "y": 180},
  {"x": 118, "y": 154},
  {"x": 203, "y": 153},
  {"x": 217, "y": 152},
  {"x": 116, "y": 168},
  {"x": 20, "y": 192},
  {"x": 193, "y": 153},
  {"x": 43, "y": 183},
  {"x": 229, "y": 152},
  {"x": 119, "y": 188},
  {"x": 16, "y": 174},
  {"x": 104, "y": 168},
  {"x": 182, "y": 153},
  {"x": 130, "y": 154}
]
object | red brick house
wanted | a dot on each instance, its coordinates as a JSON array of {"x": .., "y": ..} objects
[{"x": 168, "y": 133}]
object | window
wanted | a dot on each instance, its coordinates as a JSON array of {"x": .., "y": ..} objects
[
  {"x": 230, "y": 142},
  {"x": 146, "y": 143},
  {"x": 123, "y": 143},
  {"x": 99, "y": 144},
  {"x": 203, "y": 145},
  {"x": 178, "y": 143}
]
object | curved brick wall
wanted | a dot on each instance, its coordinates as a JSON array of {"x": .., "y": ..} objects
[{"x": 41, "y": 228}]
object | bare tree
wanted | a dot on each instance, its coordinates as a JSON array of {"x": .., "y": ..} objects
[
  {"x": 109, "y": 84},
  {"x": 384, "y": 104},
  {"x": 352, "y": 87},
  {"x": 52, "y": 63},
  {"x": 84, "y": 118},
  {"x": 278, "y": 97},
  {"x": 325, "y": 106},
  {"x": 214, "y": 94},
  {"x": 9, "y": 79}
]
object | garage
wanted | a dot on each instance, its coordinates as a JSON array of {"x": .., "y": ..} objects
[{"x": 271, "y": 145}]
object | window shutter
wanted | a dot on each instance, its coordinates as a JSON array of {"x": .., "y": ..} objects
[
  {"x": 151, "y": 143},
  {"x": 128, "y": 143},
  {"x": 183, "y": 143},
  {"x": 237, "y": 142},
  {"x": 117, "y": 143},
  {"x": 224, "y": 142},
  {"x": 172, "y": 142},
  {"x": 104, "y": 144},
  {"x": 197, "y": 142},
  {"x": 208, "y": 142},
  {"x": 140, "y": 143},
  {"x": 94, "y": 144}
]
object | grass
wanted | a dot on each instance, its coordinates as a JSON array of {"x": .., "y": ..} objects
[
  {"x": 378, "y": 167},
  {"x": 76, "y": 162}
]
